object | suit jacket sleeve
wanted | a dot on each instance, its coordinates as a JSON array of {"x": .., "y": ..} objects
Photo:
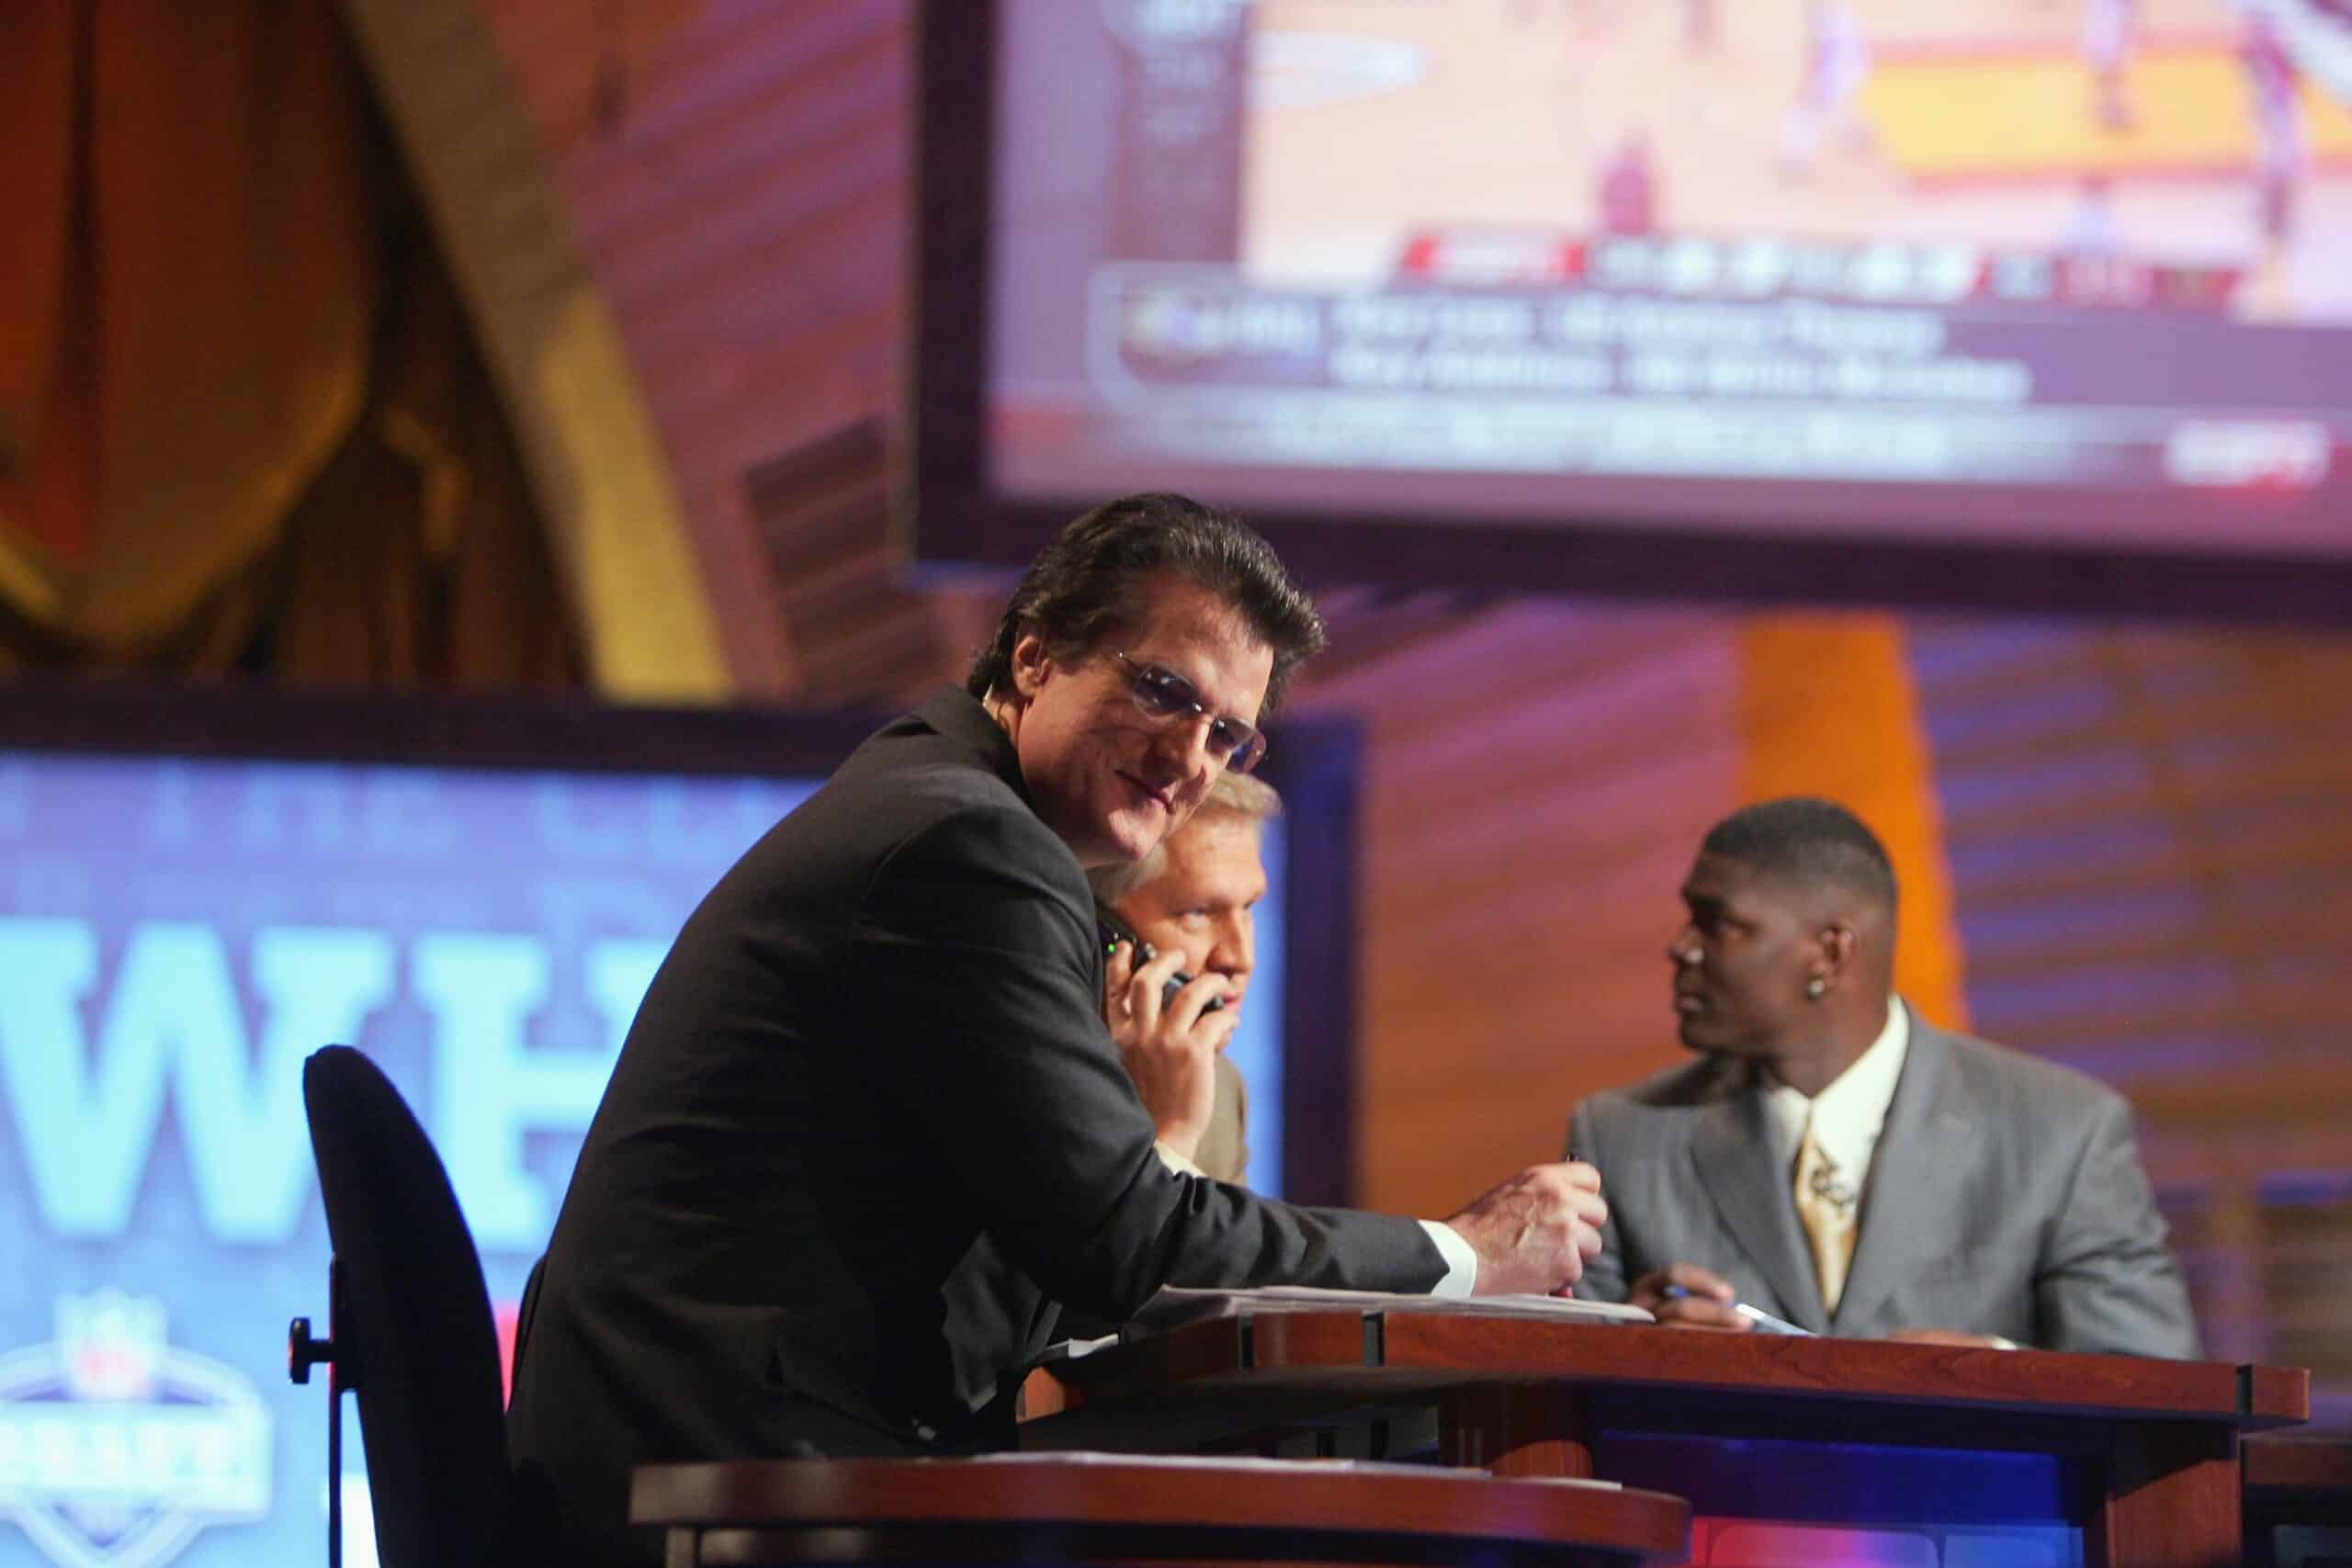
[
  {"x": 973, "y": 952},
  {"x": 1604, "y": 1272},
  {"x": 2108, "y": 1282}
]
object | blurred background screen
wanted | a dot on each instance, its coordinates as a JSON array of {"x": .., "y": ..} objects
[
  {"x": 176, "y": 934},
  {"x": 2004, "y": 273}
]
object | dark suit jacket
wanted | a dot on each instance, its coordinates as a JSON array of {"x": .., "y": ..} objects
[
  {"x": 878, "y": 1039},
  {"x": 2006, "y": 1197}
]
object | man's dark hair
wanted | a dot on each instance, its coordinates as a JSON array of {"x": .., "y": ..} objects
[
  {"x": 1807, "y": 843},
  {"x": 1088, "y": 581}
]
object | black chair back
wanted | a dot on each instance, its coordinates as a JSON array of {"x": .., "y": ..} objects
[{"x": 419, "y": 1347}]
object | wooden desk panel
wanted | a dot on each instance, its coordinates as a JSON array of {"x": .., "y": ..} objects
[
  {"x": 2143, "y": 1454},
  {"x": 1097, "y": 1508},
  {"x": 2298, "y": 1501}
]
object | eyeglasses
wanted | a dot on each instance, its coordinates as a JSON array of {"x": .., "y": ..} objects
[{"x": 1163, "y": 693}]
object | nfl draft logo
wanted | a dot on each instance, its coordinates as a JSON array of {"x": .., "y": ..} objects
[{"x": 114, "y": 1449}]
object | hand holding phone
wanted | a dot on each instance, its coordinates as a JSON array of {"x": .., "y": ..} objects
[
  {"x": 1114, "y": 930},
  {"x": 1168, "y": 1044}
]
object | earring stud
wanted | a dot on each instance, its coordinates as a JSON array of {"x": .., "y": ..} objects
[{"x": 1815, "y": 987}]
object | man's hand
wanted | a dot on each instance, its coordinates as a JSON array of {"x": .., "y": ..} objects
[
  {"x": 1170, "y": 1052},
  {"x": 1533, "y": 1233},
  {"x": 1699, "y": 1299}
]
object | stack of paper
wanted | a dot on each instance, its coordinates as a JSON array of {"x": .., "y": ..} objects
[{"x": 1175, "y": 1305}]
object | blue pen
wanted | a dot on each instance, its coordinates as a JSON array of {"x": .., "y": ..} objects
[{"x": 1764, "y": 1321}]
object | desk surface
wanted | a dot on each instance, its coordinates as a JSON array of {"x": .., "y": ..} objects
[{"x": 1374, "y": 1355}]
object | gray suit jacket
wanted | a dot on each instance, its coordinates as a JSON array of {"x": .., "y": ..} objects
[
  {"x": 2006, "y": 1197},
  {"x": 1225, "y": 1147}
]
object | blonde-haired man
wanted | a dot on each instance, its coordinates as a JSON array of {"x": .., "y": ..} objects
[{"x": 1191, "y": 900}]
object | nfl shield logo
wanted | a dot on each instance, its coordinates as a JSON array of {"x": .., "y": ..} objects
[{"x": 114, "y": 1449}]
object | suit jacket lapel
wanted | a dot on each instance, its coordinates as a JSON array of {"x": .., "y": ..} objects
[
  {"x": 1733, "y": 1148},
  {"x": 1907, "y": 1198}
]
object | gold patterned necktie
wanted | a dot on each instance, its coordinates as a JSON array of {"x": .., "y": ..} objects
[{"x": 1825, "y": 1207}]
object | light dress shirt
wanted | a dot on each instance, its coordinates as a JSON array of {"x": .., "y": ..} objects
[{"x": 1848, "y": 1115}]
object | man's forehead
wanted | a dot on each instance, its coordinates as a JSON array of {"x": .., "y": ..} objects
[
  {"x": 1177, "y": 620},
  {"x": 1721, "y": 879},
  {"x": 1714, "y": 876}
]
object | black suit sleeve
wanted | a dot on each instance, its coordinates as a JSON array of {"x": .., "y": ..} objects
[{"x": 979, "y": 965}]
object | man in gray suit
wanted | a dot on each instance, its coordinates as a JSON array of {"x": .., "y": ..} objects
[
  {"x": 1834, "y": 1160},
  {"x": 1192, "y": 901}
]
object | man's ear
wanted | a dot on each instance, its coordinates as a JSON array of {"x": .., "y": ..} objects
[
  {"x": 1030, "y": 663},
  {"x": 1837, "y": 944}
]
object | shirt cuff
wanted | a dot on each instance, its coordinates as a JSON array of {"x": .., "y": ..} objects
[
  {"x": 1183, "y": 1166},
  {"x": 1461, "y": 1260}
]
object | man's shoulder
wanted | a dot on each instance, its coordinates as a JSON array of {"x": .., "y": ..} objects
[
  {"x": 946, "y": 746},
  {"x": 2022, "y": 1084},
  {"x": 937, "y": 817},
  {"x": 931, "y": 766},
  {"x": 1638, "y": 1124},
  {"x": 942, "y": 828},
  {"x": 1681, "y": 1090},
  {"x": 912, "y": 798}
]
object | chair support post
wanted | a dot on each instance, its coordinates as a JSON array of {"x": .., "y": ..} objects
[{"x": 337, "y": 1330}]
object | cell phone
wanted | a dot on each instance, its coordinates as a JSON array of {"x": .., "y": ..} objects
[{"x": 1114, "y": 930}]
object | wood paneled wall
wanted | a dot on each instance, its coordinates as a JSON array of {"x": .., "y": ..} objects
[
  {"x": 1537, "y": 779},
  {"x": 2149, "y": 865},
  {"x": 2153, "y": 867},
  {"x": 739, "y": 173}
]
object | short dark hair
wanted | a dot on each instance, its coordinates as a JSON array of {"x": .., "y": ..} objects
[
  {"x": 1086, "y": 583},
  {"x": 1807, "y": 841}
]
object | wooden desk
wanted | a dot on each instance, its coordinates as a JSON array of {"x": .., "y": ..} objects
[
  {"x": 2100, "y": 1460},
  {"x": 2298, "y": 1501},
  {"x": 1052, "y": 1509}
]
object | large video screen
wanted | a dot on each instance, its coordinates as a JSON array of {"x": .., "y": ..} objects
[
  {"x": 2072, "y": 272},
  {"x": 176, "y": 934}
]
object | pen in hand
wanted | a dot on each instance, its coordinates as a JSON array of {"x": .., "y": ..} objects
[{"x": 1764, "y": 1321}]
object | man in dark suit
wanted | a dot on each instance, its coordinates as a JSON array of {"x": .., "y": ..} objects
[
  {"x": 879, "y": 1039},
  {"x": 1192, "y": 904},
  {"x": 1838, "y": 1161}
]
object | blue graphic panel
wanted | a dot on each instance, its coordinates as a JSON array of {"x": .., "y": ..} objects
[{"x": 176, "y": 937}]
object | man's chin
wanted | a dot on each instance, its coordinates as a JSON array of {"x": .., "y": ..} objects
[
  {"x": 1132, "y": 835},
  {"x": 1698, "y": 1038},
  {"x": 1100, "y": 844}
]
